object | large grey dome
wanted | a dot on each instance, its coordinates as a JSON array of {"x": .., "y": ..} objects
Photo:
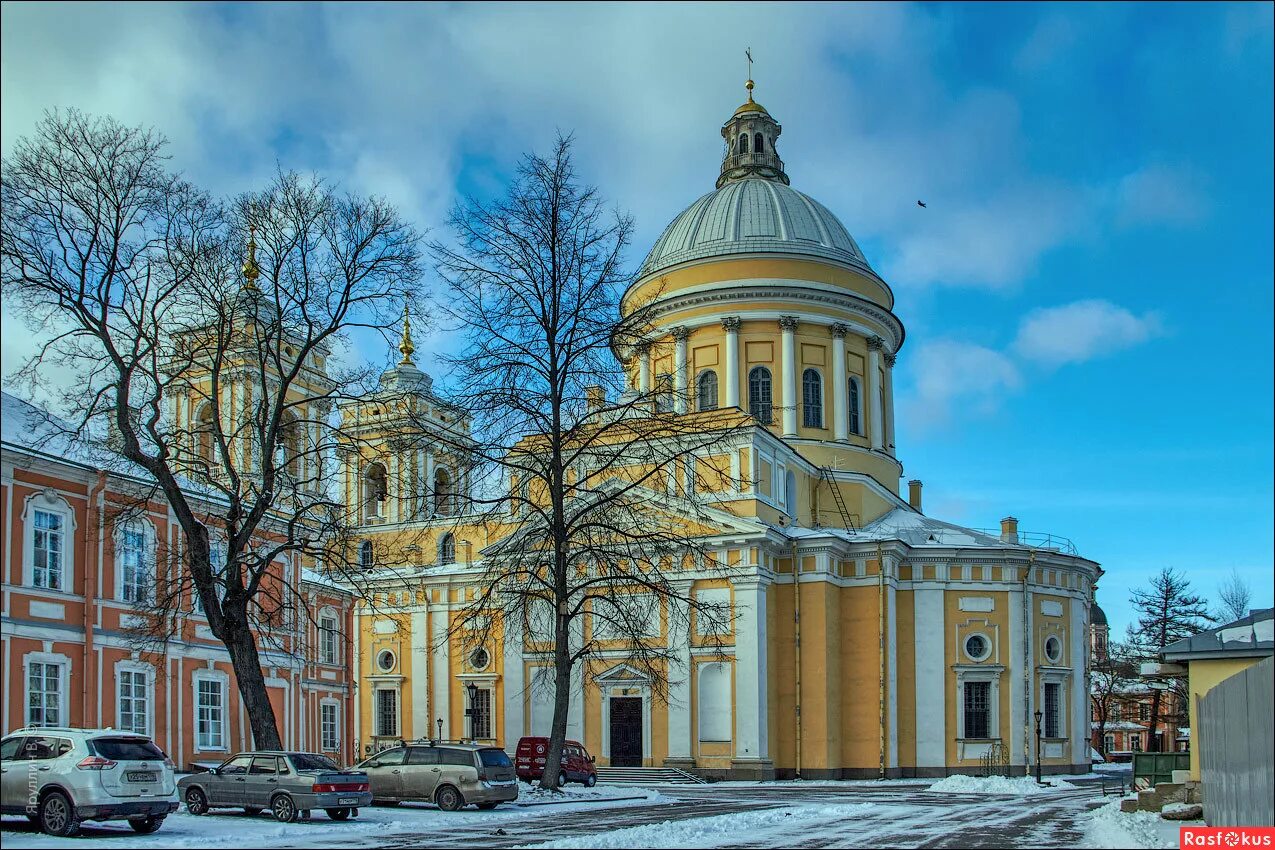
[{"x": 749, "y": 216}]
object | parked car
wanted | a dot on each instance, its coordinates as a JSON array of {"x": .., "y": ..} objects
[
  {"x": 285, "y": 783},
  {"x": 577, "y": 764},
  {"x": 59, "y": 777},
  {"x": 450, "y": 775}
]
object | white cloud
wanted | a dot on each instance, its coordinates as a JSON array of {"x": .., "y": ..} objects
[
  {"x": 951, "y": 375},
  {"x": 1160, "y": 194},
  {"x": 1082, "y": 330}
]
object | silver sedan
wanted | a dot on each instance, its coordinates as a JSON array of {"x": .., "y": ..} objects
[{"x": 285, "y": 783}]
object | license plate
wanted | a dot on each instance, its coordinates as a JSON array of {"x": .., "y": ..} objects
[
  {"x": 347, "y": 801},
  {"x": 140, "y": 776}
]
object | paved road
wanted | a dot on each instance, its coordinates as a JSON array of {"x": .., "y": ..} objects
[{"x": 899, "y": 816}]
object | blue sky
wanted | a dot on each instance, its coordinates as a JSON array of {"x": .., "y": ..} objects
[{"x": 1088, "y": 295}]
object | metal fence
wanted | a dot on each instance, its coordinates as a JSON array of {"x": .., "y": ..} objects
[{"x": 1237, "y": 749}]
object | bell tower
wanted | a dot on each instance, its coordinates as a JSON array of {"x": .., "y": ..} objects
[{"x": 750, "y": 135}]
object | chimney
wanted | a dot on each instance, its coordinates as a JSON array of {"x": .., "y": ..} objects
[
  {"x": 1009, "y": 530},
  {"x": 914, "y": 493},
  {"x": 596, "y": 397}
]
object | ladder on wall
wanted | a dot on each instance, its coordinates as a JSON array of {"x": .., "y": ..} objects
[{"x": 847, "y": 518}]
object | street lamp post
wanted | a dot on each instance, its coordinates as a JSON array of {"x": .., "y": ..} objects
[
  {"x": 1039, "y": 716},
  {"x": 440, "y": 728},
  {"x": 469, "y": 712}
]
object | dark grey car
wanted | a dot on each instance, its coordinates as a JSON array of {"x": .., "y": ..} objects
[
  {"x": 451, "y": 775},
  {"x": 285, "y": 783}
]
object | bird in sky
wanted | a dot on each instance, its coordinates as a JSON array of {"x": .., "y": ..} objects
[{"x": 921, "y": 204}]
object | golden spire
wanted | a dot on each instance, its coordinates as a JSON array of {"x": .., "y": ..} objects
[
  {"x": 405, "y": 344},
  {"x": 250, "y": 268}
]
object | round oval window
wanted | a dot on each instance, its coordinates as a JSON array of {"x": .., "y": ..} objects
[
  {"x": 479, "y": 659},
  {"x": 976, "y": 647},
  {"x": 385, "y": 660},
  {"x": 1053, "y": 649}
]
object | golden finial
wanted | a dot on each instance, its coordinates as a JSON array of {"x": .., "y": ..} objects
[
  {"x": 250, "y": 268},
  {"x": 405, "y": 345}
]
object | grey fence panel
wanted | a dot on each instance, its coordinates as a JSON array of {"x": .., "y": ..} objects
[{"x": 1237, "y": 748}]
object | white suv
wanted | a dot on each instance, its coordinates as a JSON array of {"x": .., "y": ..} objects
[{"x": 58, "y": 777}]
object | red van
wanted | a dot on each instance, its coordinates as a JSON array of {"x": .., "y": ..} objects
[{"x": 577, "y": 764}]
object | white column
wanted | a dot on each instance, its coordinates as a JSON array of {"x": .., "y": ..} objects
[
  {"x": 751, "y": 721},
  {"x": 515, "y": 684},
  {"x": 350, "y": 501},
  {"x": 644, "y": 369},
  {"x": 394, "y": 489},
  {"x": 876, "y": 425},
  {"x": 788, "y": 367},
  {"x": 575, "y": 707},
  {"x": 1017, "y": 654},
  {"x": 679, "y": 369},
  {"x": 929, "y": 634},
  {"x": 679, "y": 686},
  {"x": 731, "y": 324},
  {"x": 1077, "y": 659},
  {"x": 429, "y": 483},
  {"x": 889, "y": 402},
  {"x": 840, "y": 383},
  {"x": 420, "y": 678},
  {"x": 419, "y": 503},
  {"x": 441, "y": 652}
]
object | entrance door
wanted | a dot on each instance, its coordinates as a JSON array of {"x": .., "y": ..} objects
[{"x": 626, "y": 731}]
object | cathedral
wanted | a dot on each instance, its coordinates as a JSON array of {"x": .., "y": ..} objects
[{"x": 867, "y": 639}]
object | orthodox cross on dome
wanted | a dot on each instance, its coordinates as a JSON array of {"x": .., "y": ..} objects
[
  {"x": 750, "y": 135},
  {"x": 251, "y": 271},
  {"x": 405, "y": 346},
  {"x": 748, "y": 51}
]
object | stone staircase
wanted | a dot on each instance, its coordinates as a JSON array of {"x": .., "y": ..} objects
[{"x": 646, "y": 776}]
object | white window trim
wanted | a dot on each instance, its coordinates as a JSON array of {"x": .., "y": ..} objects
[
  {"x": 149, "y": 559},
  {"x": 335, "y": 704},
  {"x": 64, "y": 682},
  {"x": 326, "y": 614},
  {"x": 490, "y": 688},
  {"x": 823, "y": 406},
  {"x": 224, "y": 679},
  {"x": 398, "y": 711},
  {"x": 49, "y": 501},
  {"x": 1060, "y": 678},
  {"x": 149, "y": 672},
  {"x": 981, "y": 673}
]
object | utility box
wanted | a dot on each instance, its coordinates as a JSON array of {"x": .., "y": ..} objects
[{"x": 1155, "y": 768}]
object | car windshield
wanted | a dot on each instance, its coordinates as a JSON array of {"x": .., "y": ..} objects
[
  {"x": 494, "y": 758},
  {"x": 310, "y": 761},
  {"x": 127, "y": 749}
]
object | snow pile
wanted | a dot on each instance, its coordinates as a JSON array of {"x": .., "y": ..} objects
[
  {"x": 731, "y": 830},
  {"x": 532, "y": 794},
  {"x": 996, "y": 785},
  {"x": 1110, "y": 827}
]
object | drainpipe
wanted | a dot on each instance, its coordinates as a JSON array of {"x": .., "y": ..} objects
[
  {"x": 881, "y": 659},
  {"x": 1027, "y": 668},
  {"x": 796, "y": 619},
  {"x": 96, "y": 521}
]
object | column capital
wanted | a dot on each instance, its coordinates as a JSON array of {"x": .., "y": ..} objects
[
  {"x": 839, "y": 330},
  {"x": 889, "y": 359},
  {"x": 788, "y": 323},
  {"x": 680, "y": 332},
  {"x": 731, "y": 324},
  {"x": 875, "y": 343}
]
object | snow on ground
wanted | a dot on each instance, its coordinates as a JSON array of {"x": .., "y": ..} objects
[
  {"x": 1110, "y": 827},
  {"x": 233, "y": 828},
  {"x": 997, "y": 785},
  {"x": 717, "y": 831},
  {"x": 1113, "y": 767}
]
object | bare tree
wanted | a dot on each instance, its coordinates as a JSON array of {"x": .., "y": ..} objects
[
  {"x": 1236, "y": 595},
  {"x": 1167, "y": 612},
  {"x": 212, "y": 381},
  {"x": 1111, "y": 673},
  {"x": 593, "y": 492}
]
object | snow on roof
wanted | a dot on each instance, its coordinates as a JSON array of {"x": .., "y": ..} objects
[
  {"x": 24, "y": 425},
  {"x": 1253, "y": 635},
  {"x": 322, "y": 579}
]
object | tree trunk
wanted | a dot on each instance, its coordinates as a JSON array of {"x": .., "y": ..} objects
[
  {"x": 561, "y": 703},
  {"x": 1153, "y": 743},
  {"x": 246, "y": 661}
]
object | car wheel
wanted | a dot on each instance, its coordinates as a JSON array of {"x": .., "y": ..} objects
[
  {"x": 57, "y": 815},
  {"x": 562, "y": 779},
  {"x": 338, "y": 814},
  {"x": 196, "y": 801},
  {"x": 488, "y": 806},
  {"x": 590, "y": 781},
  {"x": 284, "y": 810},
  {"x": 146, "y": 825},
  {"x": 252, "y": 811},
  {"x": 449, "y": 799}
]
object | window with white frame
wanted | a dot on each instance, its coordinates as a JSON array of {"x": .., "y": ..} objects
[
  {"x": 330, "y": 726},
  {"x": 210, "y": 714},
  {"x": 978, "y": 709},
  {"x": 48, "y": 549},
  {"x": 387, "y": 713},
  {"x": 45, "y": 693},
  {"x": 133, "y": 698},
  {"x": 328, "y": 639},
  {"x": 133, "y": 559},
  {"x": 481, "y": 714},
  {"x": 1053, "y": 709}
]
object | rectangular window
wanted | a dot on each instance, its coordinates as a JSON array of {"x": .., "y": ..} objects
[
  {"x": 481, "y": 714},
  {"x": 209, "y": 715},
  {"x": 1053, "y": 717},
  {"x": 131, "y": 561},
  {"x": 1115, "y": 712},
  {"x": 978, "y": 720},
  {"x": 327, "y": 641},
  {"x": 387, "y": 713},
  {"x": 1144, "y": 712},
  {"x": 1135, "y": 743},
  {"x": 44, "y": 694},
  {"x": 329, "y": 727},
  {"x": 47, "y": 549},
  {"x": 134, "y": 701},
  {"x": 1108, "y": 743}
]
